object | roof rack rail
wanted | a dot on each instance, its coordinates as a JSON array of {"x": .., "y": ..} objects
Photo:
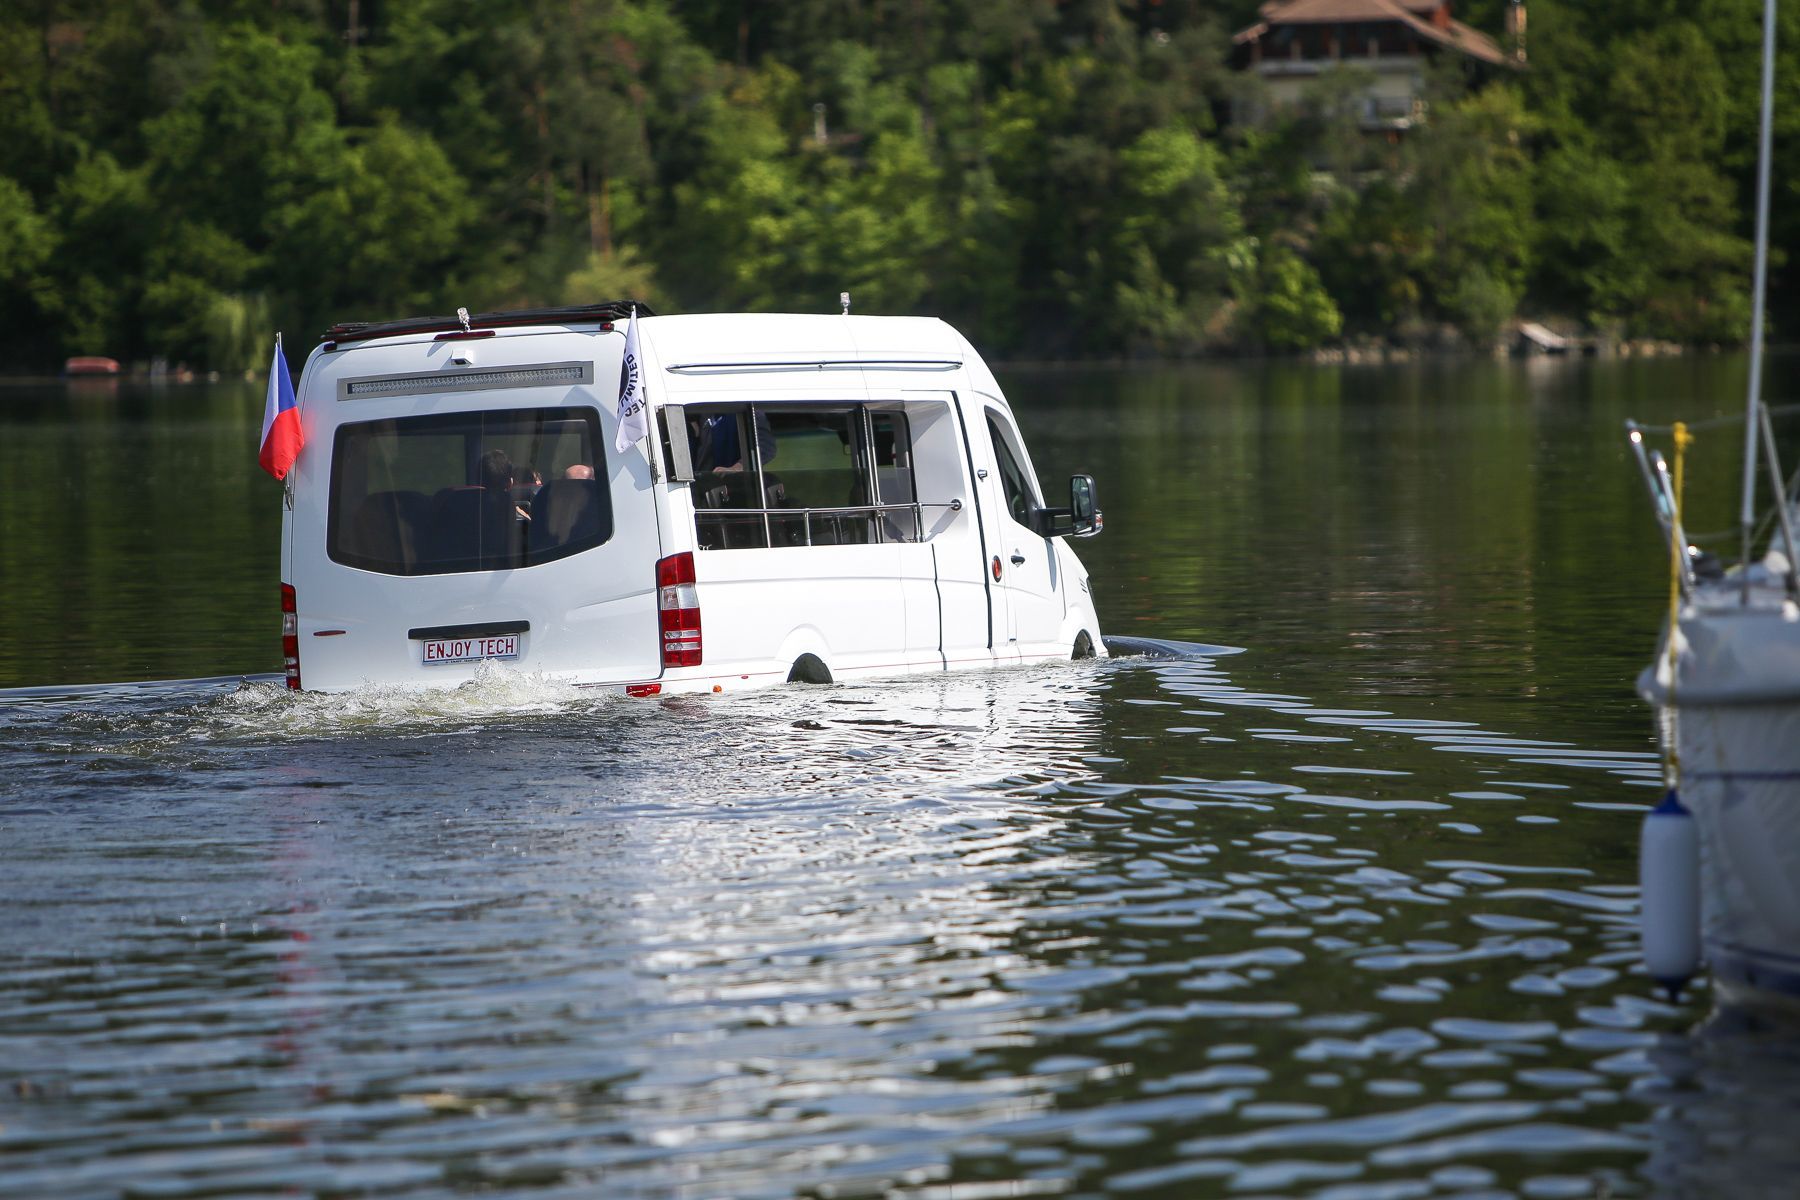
[{"x": 608, "y": 310}]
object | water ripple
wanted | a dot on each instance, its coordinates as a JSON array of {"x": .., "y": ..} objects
[{"x": 1008, "y": 934}]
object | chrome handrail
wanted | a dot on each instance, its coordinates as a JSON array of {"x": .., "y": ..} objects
[{"x": 916, "y": 507}]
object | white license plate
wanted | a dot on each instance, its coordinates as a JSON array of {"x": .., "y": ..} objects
[{"x": 448, "y": 650}]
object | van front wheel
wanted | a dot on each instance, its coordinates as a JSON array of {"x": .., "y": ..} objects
[
  {"x": 808, "y": 668},
  {"x": 1084, "y": 646}
]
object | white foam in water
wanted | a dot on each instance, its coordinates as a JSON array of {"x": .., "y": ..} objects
[{"x": 270, "y": 709}]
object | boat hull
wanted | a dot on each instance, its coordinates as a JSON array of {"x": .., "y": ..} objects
[
  {"x": 1733, "y": 717},
  {"x": 1740, "y": 777}
]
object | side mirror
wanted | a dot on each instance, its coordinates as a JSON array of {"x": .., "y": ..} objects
[
  {"x": 1084, "y": 507},
  {"x": 1081, "y": 519}
]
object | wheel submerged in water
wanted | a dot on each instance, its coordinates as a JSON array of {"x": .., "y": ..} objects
[{"x": 809, "y": 668}]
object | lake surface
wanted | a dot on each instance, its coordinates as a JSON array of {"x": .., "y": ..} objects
[{"x": 1347, "y": 914}]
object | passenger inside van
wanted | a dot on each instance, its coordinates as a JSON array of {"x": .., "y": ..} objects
[
  {"x": 444, "y": 493},
  {"x": 526, "y": 482},
  {"x": 568, "y": 511},
  {"x": 718, "y": 446},
  {"x": 497, "y": 478}
]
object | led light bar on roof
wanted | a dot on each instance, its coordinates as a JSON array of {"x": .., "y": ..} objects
[{"x": 438, "y": 383}]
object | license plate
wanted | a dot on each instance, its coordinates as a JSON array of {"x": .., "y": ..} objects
[{"x": 449, "y": 650}]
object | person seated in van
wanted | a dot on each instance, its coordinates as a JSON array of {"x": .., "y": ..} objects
[
  {"x": 526, "y": 482},
  {"x": 719, "y": 450},
  {"x": 578, "y": 471},
  {"x": 497, "y": 480}
]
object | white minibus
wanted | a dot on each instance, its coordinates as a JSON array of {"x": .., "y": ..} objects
[{"x": 817, "y": 498}]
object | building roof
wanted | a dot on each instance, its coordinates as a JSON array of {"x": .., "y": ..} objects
[{"x": 1452, "y": 34}]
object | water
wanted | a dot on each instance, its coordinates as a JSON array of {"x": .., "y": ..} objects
[{"x": 1347, "y": 914}]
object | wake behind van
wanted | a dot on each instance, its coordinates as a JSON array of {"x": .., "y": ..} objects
[{"x": 817, "y": 498}]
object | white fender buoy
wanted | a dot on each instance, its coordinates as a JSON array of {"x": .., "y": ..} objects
[{"x": 1669, "y": 893}]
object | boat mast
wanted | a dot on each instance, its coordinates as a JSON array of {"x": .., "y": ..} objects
[{"x": 1747, "y": 515}]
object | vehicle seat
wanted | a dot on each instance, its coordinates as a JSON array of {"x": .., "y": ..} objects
[
  {"x": 726, "y": 530},
  {"x": 470, "y": 530},
  {"x": 568, "y": 511},
  {"x": 391, "y": 528}
]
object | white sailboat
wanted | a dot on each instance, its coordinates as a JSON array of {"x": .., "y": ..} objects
[{"x": 1720, "y": 864}]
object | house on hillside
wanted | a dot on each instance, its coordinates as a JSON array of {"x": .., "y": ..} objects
[{"x": 1298, "y": 40}]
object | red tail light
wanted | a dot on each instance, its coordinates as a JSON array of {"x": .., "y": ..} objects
[
  {"x": 678, "y": 602},
  {"x": 290, "y": 636}
]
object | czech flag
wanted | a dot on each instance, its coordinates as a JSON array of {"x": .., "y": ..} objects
[{"x": 281, "y": 436}]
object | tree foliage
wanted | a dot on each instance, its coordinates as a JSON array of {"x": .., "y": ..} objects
[{"x": 1058, "y": 178}]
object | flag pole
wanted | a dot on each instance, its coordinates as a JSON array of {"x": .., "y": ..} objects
[{"x": 1747, "y": 513}]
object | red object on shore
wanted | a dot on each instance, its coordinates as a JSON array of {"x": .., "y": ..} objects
[{"x": 91, "y": 364}]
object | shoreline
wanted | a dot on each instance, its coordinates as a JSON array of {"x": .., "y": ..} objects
[{"x": 1344, "y": 354}]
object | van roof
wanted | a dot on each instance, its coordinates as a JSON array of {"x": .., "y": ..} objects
[
  {"x": 751, "y": 339},
  {"x": 715, "y": 340},
  {"x": 580, "y": 314}
]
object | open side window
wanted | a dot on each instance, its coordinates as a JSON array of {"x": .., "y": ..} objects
[{"x": 800, "y": 475}]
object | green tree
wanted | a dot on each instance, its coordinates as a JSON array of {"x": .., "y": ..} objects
[
  {"x": 1289, "y": 308},
  {"x": 1670, "y": 112},
  {"x": 390, "y": 212},
  {"x": 104, "y": 215},
  {"x": 26, "y": 238},
  {"x": 1177, "y": 230},
  {"x": 1472, "y": 189},
  {"x": 1587, "y": 262}
]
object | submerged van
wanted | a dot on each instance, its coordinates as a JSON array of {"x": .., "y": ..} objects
[{"x": 818, "y": 498}]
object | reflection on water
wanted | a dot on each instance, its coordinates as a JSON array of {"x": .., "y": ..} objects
[
  {"x": 1348, "y": 915},
  {"x": 1127, "y": 927}
]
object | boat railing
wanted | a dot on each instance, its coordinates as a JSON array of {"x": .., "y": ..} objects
[{"x": 1659, "y": 481}]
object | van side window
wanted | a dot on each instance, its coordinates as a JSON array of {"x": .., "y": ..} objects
[
  {"x": 477, "y": 491},
  {"x": 728, "y": 484},
  {"x": 1012, "y": 478},
  {"x": 822, "y": 471},
  {"x": 825, "y": 475},
  {"x": 893, "y": 457}
]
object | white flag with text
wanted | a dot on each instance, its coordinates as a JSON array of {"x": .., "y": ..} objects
[{"x": 634, "y": 419}]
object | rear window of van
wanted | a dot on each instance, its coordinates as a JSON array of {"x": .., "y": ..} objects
[{"x": 477, "y": 491}]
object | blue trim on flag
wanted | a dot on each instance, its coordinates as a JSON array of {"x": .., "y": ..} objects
[{"x": 279, "y": 377}]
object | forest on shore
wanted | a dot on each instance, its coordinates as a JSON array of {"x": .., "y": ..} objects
[{"x": 1058, "y": 178}]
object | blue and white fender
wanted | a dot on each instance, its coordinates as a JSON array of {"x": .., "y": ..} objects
[{"x": 1669, "y": 893}]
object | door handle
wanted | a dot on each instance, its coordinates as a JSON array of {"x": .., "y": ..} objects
[{"x": 1018, "y": 560}]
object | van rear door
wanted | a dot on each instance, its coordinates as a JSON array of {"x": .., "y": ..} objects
[{"x": 461, "y": 515}]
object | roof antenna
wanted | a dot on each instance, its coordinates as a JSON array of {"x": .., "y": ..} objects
[
  {"x": 462, "y": 314},
  {"x": 844, "y": 299}
]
